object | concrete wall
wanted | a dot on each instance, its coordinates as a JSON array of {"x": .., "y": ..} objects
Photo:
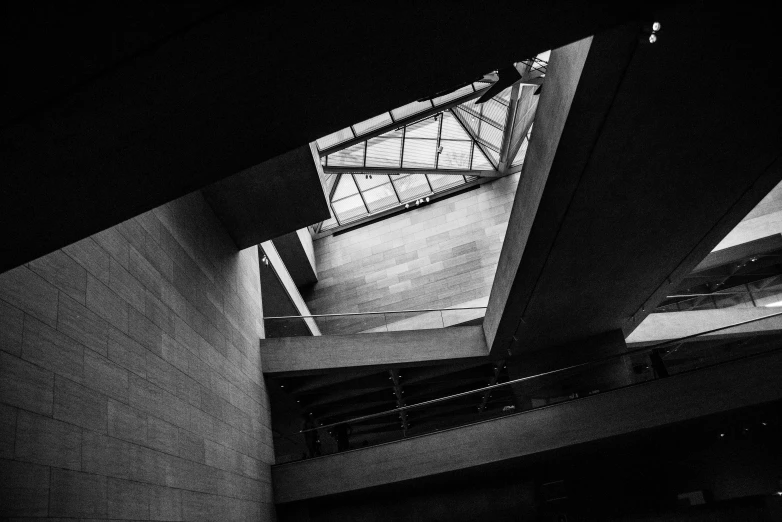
[
  {"x": 764, "y": 220},
  {"x": 130, "y": 378},
  {"x": 436, "y": 256}
]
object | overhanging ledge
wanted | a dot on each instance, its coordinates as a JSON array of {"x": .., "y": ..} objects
[
  {"x": 269, "y": 200},
  {"x": 330, "y": 352}
]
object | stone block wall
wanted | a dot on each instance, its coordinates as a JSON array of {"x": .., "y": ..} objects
[
  {"x": 130, "y": 377},
  {"x": 440, "y": 255}
]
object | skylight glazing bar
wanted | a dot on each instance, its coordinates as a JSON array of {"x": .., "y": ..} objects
[{"x": 360, "y": 193}]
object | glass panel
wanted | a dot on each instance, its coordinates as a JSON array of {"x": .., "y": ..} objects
[
  {"x": 452, "y": 129},
  {"x": 479, "y": 161},
  {"x": 454, "y": 154},
  {"x": 350, "y": 157},
  {"x": 410, "y": 186},
  {"x": 491, "y": 135},
  {"x": 384, "y": 151},
  {"x": 380, "y": 197},
  {"x": 495, "y": 112},
  {"x": 427, "y": 128},
  {"x": 467, "y": 89},
  {"x": 372, "y": 123},
  {"x": 365, "y": 183},
  {"x": 494, "y": 156},
  {"x": 410, "y": 109},
  {"x": 346, "y": 187},
  {"x": 335, "y": 138},
  {"x": 469, "y": 119},
  {"x": 349, "y": 208},
  {"x": 419, "y": 153},
  {"x": 444, "y": 181},
  {"x": 330, "y": 180}
]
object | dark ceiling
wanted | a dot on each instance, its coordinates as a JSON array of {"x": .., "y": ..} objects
[{"x": 110, "y": 111}]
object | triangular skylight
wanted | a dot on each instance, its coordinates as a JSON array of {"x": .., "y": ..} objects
[{"x": 423, "y": 148}]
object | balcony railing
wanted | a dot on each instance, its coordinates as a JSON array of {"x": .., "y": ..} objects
[
  {"x": 323, "y": 432},
  {"x": 372, "y": 322},
  {"x": 766, "y": 293}
]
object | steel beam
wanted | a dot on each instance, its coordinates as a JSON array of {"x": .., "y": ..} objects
[{"x": 392, "y": 171}]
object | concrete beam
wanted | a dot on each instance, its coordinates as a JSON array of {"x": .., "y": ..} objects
[
  {"x": 384, "y": 170},
  {"x": 562, "y": 78},
  {"x": 268, "y": 200},
  {"x": 382, "y": 349},
  {"x": 289, "y": 285},
  {"x": 661, "y": 327},
  {"x": 298, "y": 254},
  {"x": 652, "y": 404}
]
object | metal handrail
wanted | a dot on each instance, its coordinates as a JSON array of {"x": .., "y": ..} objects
[
  {"x": 544, "y": 374},
  {"x": 380, "y": 313}
]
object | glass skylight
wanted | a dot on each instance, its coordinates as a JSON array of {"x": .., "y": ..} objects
[{"x": 425, "y": 147}]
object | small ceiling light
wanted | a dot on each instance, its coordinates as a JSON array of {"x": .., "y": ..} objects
[
  {"x": 656, "y": 26},
  {"x": 265, "y": 260},
  {"x": 407, "y": 205},
  {"x": 652, "y": 38},
  {"x": 282, "y": 386},
  {"x": 427, "y": 199},
  {"x": 722, "y": 435}
]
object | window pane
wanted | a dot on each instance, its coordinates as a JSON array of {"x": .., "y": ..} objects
[
  {"x": 452, "y": 129},
  {"x": 347, "y": 187},
  {"x": 349, "y": 208},
  {"x": 384, "y": 151},
  {"x": 495, "y": 112},
  {"x": 410, "y": 186},
  {"x": 443, "y": 181},
  {"x": 334, "y": 138},
  {"x": 380, "y": 197},
  {"x": 427, "y": 128},
  {"x": 372, "y": 124},
  {"x": 455, "y": 154},
  {"x": 419, "y": 153},
  {"x": 410, "y": 109},
  {"x": 491, "y": 135},
  {"x": 365, "y": 183},
  {"x": 479, "y": 161},
  {"x": 350, "y": 157}
]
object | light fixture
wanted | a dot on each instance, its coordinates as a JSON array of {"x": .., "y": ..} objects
[
  {"x": 652, "y": 38},
  {"x": 656, "y": 26},
  {"x": 427, "y": 199},
  {"x": 265, "y": 260},
  {"x": 439, "y": 149}
]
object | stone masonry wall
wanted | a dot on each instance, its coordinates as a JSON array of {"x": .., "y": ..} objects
[
  {"x": 130, "y": 379},
  {"x": 436, "y": 256}
]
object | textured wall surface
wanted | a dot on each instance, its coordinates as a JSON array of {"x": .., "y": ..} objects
[
  {"x": 130, "y": 379},
  {"x": 436, "y": 256}
]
